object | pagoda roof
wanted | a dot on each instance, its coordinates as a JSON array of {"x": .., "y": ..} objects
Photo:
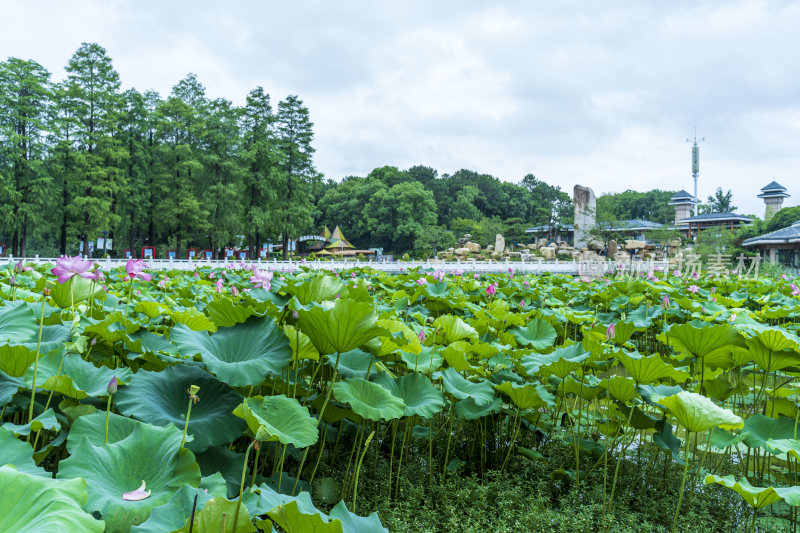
[
  {"x": 682, "y": 197},
  {"x": 338, "y": 240},
  {"x": 773, "y": 190},
  {"x": 789, "y": 234}
]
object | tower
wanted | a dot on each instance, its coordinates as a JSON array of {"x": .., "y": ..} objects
[
  {"x": 773, "y": 195},
  {"x": 695, "y": 165},
  {"x": 683, "y": 203}
]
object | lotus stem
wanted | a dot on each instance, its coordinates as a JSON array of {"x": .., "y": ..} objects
[
  {"x": 683, "y": 482},
  {"x": 128, "y": 301},
  {"x": 400, "y": 461},
  {"x": 36, "y": 361},
  {"x": 193, "y": 398},
  {"x": 50, "y": 396},
  {"x": 241, "y": 485},
  {"x": 108, "y": 414},
  {"x": 255, "y": 467},
  {"x": 358, "y": 468},
  {"x": 300, "y": 470}
]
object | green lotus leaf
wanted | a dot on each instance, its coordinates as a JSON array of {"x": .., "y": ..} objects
[
  {"x": 400, "y": 337},
  {"x": 341, "y": 328},
  {"x": 697, "y": 413},
  {"x": 770, "y": 360},
  {"x": 241, "y": 355},
  {"x": 452, "y": 328},
  {"x": 760, "y": 429},
  {"x": 301, "y": 344},
  {"x": 570, "y": 356},
  {"x": 16, "y": 358},
  {"x": 428, "y": 360},
  {"x": 31, "y": 503},
  {"x": 75, "y": 290},
  {"x": 757, "y": 497},
  {"x": 774, "y": 338},
  {"x": 620, "y": 388},
  {"x": 263, "y": 498},
  {"x": 285, "y": 419},
  {"x": 538, "y": 334},
  {"x": 481, "y": 391},
  {"x": 46, "y": 420},
  {"x": 292, "y": 520},
  {"x": 643, "y": 316},
  {"x": 352, "y": 523},
  {"x": 562, "y": 365},
  {"x": 214, "y": 514},
  {"x": 664, "y": 438},
  {"x": 354, "y": 363},
  {"x": 150, "y": 454},
  {"x": 417, "y": 391},
  {"x": 791, "y": 447},
  {"x": 528, "y": 396},
  {"x": 194, "y": 320},
  {"x": 93, "y": 426},
  {"x": 151, "y": 309},
  {"x": 319, "y": 289},
  {"x": 18, "y": 454},
  {"x": 456, "y": 356},
  {"x": 113, "y": 328},
  {"x": 160, "y": 398},
  {"x": 173, "y": 515},
  {"x": 224, "y": 313},
  {"x": 77, "y": 378},
  {"x": 704, "y": 341},
  {"x": 369, "y": 400},
  {"x": 469, "y": 409},
  {"x": 647, "y": 369},
  {"x": 8, "y": 387}
]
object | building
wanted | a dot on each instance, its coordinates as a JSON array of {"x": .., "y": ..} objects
[
  {"x": 691, "y": 226},
  {"x": 684, "y": 204},
  {"x": 779, "y": 246},
  {"x": 773, "y": 195},
  {"x": 630, "y": 229}
]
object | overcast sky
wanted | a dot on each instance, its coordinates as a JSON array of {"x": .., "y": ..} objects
[{"x": 602, "y": 94}]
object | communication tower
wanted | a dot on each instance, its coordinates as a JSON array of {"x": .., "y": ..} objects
[{"x": 695, "y": 165}]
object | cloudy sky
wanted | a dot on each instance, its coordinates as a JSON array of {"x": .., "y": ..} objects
[{"x": 598, "y": 93}]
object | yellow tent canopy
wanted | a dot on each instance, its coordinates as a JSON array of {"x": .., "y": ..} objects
[{"x": 338, "y": 241}]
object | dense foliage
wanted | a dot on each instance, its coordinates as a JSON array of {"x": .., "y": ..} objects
[{"x": 238, "y": 396}]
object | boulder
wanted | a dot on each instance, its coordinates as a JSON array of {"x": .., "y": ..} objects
[
  {"x": 612, "y": 249},
  {"x": 451, "y": 250},
  {"x": 532, "y": 247},
  {"x": 632, "y": 244},
  {"x": 499, "y": 243},
  {"x": 494, "y": 255},
  {"x": 490, "y": 248},
  {"x": 461, "y": 251},
  {"x": 595, "y": 244},
  {"x": 552, "y": 245},
  {"x": 473, "y": 247},
  {"x": 541, "y": 241},
  {"x": 674, "y": 243},
  {"x": 548, "y": 252},
  {"x": 622, "y": 257}
]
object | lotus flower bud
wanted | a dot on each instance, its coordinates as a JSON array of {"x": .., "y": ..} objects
[
  {"x": 112, "y": 386},
  {"x": 610, "y": 332},
  {"x": 421, "y": 335},
  {"x": 665, "y": 302},
  {"x": 295, "y": 315},
  {"x": 12, "y": 281}
]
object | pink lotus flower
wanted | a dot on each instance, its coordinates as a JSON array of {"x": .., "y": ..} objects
[
  {"x": 476, "y": 276},
  {"x": 665, "y": 302},
  {"x": 693, "y": 288},
  {"x": 234, "y": 290},
  {"x": 135, "y": 269},
  {"x": 421, "y": 335},
  {"x": 438, "y": 275},
  {"x": 491, "y": 290},
  {"x": 795, "y": 289},
  {"x": 676, "y": 272},
  {"x": 521, "y": 305},
  {"x": 66, "y": 267},
  {"x": 219, "y": 286},
  {"x": 526, "y": 283},
  {"x": 111, "y": 388},
  {"x": 422, "y": 281},
  {"x": 610, "y": 332},
  {"x": 20, "y": 267},
  {"x": 261, "y": 279},
  {"x": 138, "y": 494}
]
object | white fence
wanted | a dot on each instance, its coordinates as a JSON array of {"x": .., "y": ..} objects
[{"x": 531, "y": 266}]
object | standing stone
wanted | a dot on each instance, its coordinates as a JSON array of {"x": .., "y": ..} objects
[
  {"x": 585, "y": 209},
  {"x": 499, "y": 244},
  {"x": 612, "y": 249}
]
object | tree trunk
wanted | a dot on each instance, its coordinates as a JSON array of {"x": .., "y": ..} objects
[
  {"x": 23, "y": 238},
  {"x": 285, "y": 246}
]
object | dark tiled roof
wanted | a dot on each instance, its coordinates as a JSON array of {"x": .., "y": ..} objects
[
  {"x": 682, "y": 197},
  {"x": 548, "y": 227},
  {"x": 774, "y": 186},
  {"x": 711, "y": 217},
  {"x": 783, "y": 235},
  {"x": 631, "y": 225}
]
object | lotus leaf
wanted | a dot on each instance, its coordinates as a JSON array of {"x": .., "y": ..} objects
[
  {"x": 528, "y": 396},
  {"x": 698, "y": 413},
  {"x": 481, "y": 391},
  {"x": 757, "y": 497},
  {"x": 538, "y": 334},
  {"x": 149, "y": 453},
  {"x": 19, "y": 454},
  {"x": 417, "y": 391},
  {"x": 31, "y": 503},
  {"x": 173, "y": 515},
  {"x": 241, "y": 355},
  {"x": 427, "y": 361},
  {"x": 46, "y": 420},
  {"x": 160, "y": 398},
  {"x": 369, "y": 400},
  {"x": 341, "y": 328},
  {"x": 285, "y": 419},
  {"x": 293, "y": 520},
  {"x": 352, "y": 523},
  {"x": 224, "y": 313},
  {"x": 451, "y": 328},
  {"x": 647, "y": 369},
  {"x": 760, "y": 429}
]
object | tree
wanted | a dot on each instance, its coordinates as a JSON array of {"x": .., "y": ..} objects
[
  {"x": 297, "y": 178},
  {"x": 92, "y": 87},
  {"x": 24, "y": 98},
  {"x": 398, "y": 216},
  {"x": 432, "y": 240},
  {"x": 783, "y": 218},
  {"x": 346, "y": 206},
  {"x": 719, "y": 203},
  {"x": 464, "y": 206},
  {"x": 260, "y": 158}
]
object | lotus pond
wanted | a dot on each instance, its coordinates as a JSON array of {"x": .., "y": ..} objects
[{"x": 238, "y": 400}]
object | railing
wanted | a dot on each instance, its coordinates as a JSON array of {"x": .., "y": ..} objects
[{"x": 531, "y": 265}]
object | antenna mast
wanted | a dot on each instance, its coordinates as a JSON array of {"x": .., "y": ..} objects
[{"x": 695, "y": 164}]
